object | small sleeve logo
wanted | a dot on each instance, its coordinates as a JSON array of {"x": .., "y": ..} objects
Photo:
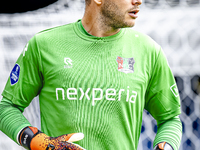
[
  {"x": 174, "y": 90},
  {"x": 14, "y": 75}
]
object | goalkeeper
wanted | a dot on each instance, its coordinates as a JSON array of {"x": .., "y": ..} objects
[{"x": 94, "y": 78}]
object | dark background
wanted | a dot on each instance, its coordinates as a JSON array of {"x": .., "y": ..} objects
[{"x": 18, "y": 6}]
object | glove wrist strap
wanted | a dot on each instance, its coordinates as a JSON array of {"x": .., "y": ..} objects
[{"x": 26, "y": 136}]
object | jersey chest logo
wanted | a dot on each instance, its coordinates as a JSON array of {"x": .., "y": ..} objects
[
  {"x": 125, "y": 64},
  {"x": 68, "y": 63}
]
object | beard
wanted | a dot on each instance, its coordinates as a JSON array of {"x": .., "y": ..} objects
[{"x": 112, "y": 16}]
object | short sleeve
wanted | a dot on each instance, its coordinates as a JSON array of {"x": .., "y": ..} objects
[
  {"x": 162, "y": 99},
  {"x": 25, "y": 81}
]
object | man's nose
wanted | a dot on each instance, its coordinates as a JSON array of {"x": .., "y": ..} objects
[{"x": 136, "y": 2}]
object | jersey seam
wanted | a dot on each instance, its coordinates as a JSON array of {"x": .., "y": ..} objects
[
  {"x": 174, "y": 113},
  {"x": 40, "y": 59},
  {"x": 7, "y": 94},
  {"x": 149, "y": 88}
]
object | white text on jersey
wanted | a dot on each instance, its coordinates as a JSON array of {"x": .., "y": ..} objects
[{"x": 71, "y": 94}]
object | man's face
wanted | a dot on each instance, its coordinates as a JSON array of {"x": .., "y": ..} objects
[{"x": 120, "y": 13}]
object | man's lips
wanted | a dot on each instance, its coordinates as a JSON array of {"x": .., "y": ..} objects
[{"x": 134, "y": 13}]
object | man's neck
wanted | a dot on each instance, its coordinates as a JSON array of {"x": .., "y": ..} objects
[{"x": 96, "y": 27}]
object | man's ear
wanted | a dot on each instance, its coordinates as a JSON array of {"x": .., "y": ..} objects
[{"x": 98, "y": 2}]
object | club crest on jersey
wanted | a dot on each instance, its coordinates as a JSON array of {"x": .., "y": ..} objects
[
  {"x": 14, "y": 75},
  {"x": 125, "y": 64}
]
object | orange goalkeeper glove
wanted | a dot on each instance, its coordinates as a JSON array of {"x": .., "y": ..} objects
[
  {"x": 163, "y": 146},
  {"x": 33, "y": 139}
]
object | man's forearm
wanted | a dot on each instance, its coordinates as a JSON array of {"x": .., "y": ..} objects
[
  {"x": 11, "y": 119},
  {"x": 170, "y": 132}
]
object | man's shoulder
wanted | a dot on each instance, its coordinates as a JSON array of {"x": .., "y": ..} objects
[
  {"x": 142, "y": 39},
  {"x": 55, "y": 31},
  {"x": 138, "y": 34}
]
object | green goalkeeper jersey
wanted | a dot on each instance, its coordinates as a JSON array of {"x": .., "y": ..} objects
[{"x": 95, "y": 85}]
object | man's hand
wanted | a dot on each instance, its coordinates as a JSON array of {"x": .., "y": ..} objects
[
  {"x": 33, "y": 139},
  {"x": 163, "y": 146}
]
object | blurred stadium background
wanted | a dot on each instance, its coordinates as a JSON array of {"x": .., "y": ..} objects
[{"x": 174, "y": 24}]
